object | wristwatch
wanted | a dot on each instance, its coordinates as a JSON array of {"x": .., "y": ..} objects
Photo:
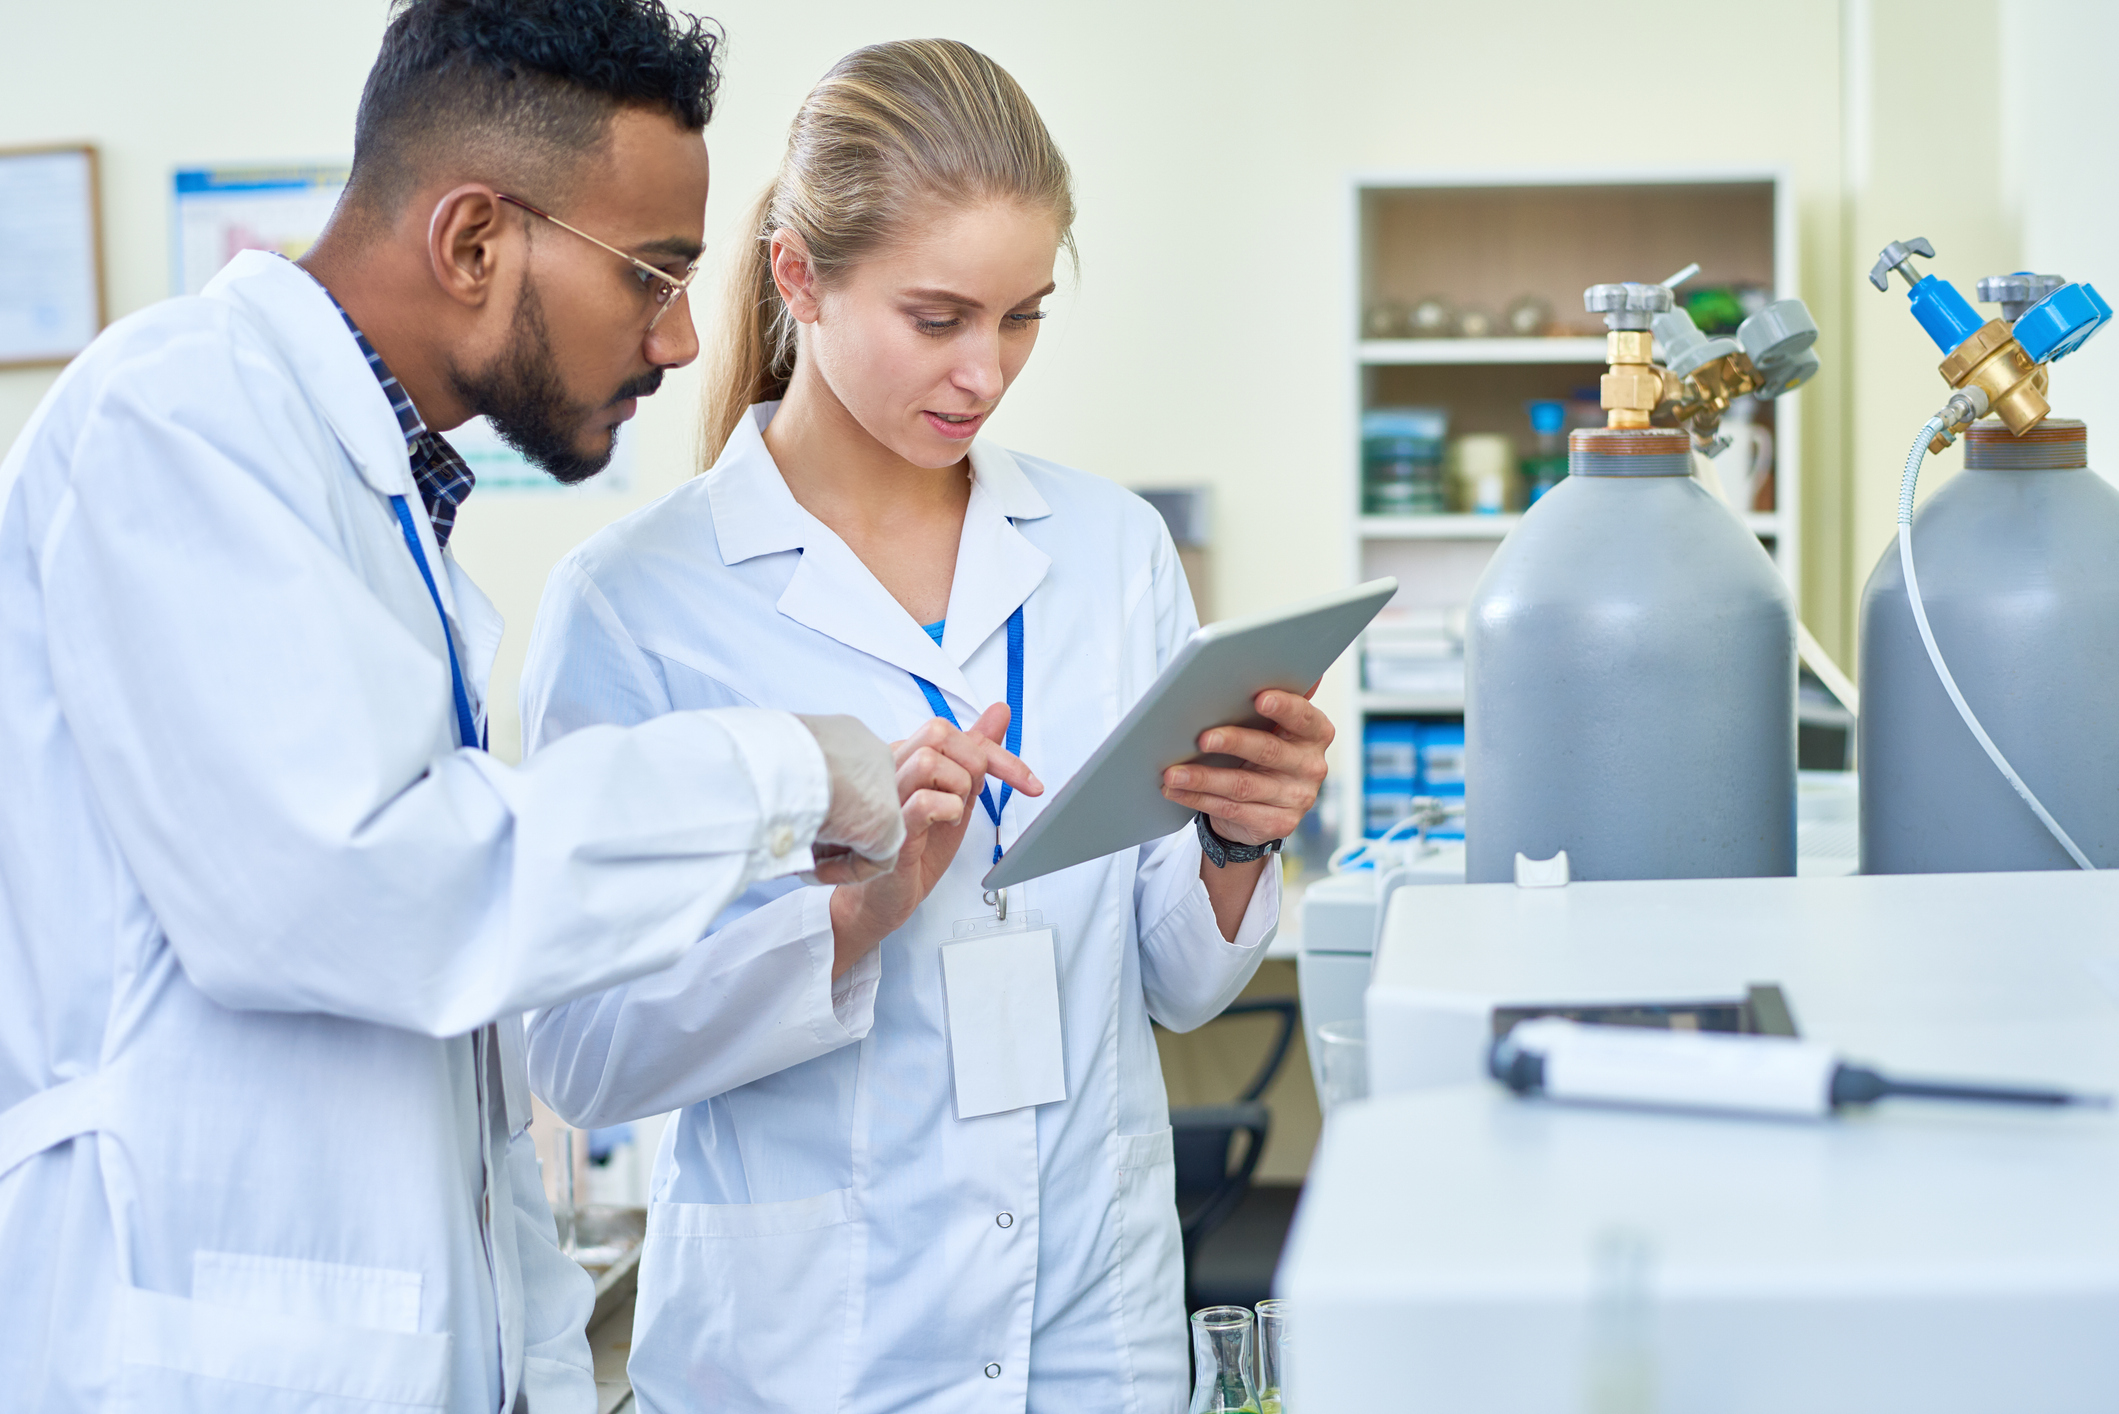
[{"x": 1225, "y": 852}]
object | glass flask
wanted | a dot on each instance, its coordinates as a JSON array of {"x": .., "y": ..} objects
[
  {"x": 1221, "y": 1362},
  {"x": 1272, "y": 1354}
]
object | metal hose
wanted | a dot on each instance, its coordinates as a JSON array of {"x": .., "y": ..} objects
[{"x": 1906, "y": 486}]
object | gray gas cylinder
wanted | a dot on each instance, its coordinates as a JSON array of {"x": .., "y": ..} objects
[
  {"x": 1630, "y": 679},
  {"x": 2018, "y": 558}
]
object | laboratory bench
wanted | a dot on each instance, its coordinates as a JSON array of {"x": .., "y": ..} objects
[{"x": 1461, "y": 1247}]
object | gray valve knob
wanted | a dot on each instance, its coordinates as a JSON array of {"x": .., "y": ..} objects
[
  {"x": 2018, "y": 292},
  {"x": 1789, "y": 374},
  {"x": 1777, "y": 334},
  {"x": 1899, "y": 256},
  {"x": 1628, "y": 305},
  {"x": 1684, "y": 347}
]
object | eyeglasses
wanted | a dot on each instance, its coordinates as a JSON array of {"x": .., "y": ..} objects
[{"x": 664, "y": 288}]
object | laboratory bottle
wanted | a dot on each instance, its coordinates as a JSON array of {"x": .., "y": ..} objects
[
  {"x": 1481, "y": 468},
  {"x": 1272, "y": 1354},
  {"x": 1546, "y": 466},
  {"x": 1221, "y": 1362},
  {"x": 2019, "y": 575},
  {"x": 1630, "y": 679}
]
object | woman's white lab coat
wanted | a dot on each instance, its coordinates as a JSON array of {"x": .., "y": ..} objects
[
  {"x": 262, "y": 1147},
  {"x": 831, "y": 1236}
]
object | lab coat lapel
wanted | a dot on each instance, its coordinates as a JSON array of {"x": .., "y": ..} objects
[
  {"x": 308, "y": 332},
  {"x": 312, "y": 337},
  {"x": 996, "y": 565},
  {"x": 831, "y": 590}
]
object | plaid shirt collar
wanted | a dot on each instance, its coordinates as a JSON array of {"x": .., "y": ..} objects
[{"x": 443, "y": 479}]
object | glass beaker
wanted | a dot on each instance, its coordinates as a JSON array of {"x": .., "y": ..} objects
[
  {"x": 1345, "y": 1056},
  {"x": 1272, "y": 1354},
  {"x": 1221, "y": 1362}
]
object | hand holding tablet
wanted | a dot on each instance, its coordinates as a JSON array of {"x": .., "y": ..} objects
[{"x": 1116, "y": 800}]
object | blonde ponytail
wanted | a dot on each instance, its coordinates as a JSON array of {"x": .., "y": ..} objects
[
  {"x": 892, "y": 129},
  {"x": 757, "y": 353}
]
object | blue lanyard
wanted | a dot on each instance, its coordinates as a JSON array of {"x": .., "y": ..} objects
[
  {"x": 940, "y": 704},
  {"x": 466, "y": 726}
]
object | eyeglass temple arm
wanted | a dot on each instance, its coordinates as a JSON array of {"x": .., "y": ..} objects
[{"x": 633, "y": 260}]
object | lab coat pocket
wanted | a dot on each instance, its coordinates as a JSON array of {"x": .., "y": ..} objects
[
  {"x": 269, "y": 1333},
  {"x": 1151, "y": 1265},
  {"x": 746, "y": 1305}
]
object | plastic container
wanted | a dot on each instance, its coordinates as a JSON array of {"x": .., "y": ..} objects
[
  {"x": 1630, "y": 680},
  {"x": 1401, "y": 461},
  {"x": 2018, "y": 557}
]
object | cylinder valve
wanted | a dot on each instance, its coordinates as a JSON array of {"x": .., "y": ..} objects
[
  {"x": 1633, "y": 387},
  {"x": 1702, "y": 374},
  {"x": 1998, "y": 366}
]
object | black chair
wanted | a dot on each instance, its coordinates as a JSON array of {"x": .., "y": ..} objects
[{"x": 1211, "y": 1181}]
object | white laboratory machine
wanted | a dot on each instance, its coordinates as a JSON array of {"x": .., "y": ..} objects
[
  {"x": 1339, "y": 930},
  {"x": 1340, "y": 920},
  {"x": 1460, "y": 1247}
]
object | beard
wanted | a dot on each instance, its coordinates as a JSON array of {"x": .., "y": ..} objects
[{"x": 522, "y": 396}]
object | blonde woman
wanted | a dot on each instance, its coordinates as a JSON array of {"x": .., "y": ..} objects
[{"x": 877, "y": 1198}]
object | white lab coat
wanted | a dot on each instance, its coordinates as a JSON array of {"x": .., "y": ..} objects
[
  {"x": 831, "y": 1236},
  {"x": 261, "y": 1146}
]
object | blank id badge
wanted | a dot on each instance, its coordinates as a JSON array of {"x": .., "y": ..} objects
[{"x": 1000, "y": 990}]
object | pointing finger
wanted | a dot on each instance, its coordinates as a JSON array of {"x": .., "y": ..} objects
[{"x": 979, "y": 751}]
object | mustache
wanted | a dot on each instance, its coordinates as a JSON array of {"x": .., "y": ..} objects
[{"x": 641, "y": 387}]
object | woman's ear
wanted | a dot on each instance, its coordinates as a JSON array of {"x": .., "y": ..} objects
[{"x": 793, "y": 275}]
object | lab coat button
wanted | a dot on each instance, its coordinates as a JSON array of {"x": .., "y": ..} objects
[
  {"x": 993, "y": 1372},
  {"x": 1006, "y": 1220},
  {"x": 783, "y": 841}
]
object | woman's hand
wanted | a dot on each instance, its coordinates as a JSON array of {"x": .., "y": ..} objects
[
  {"x": 1263, "y": 799},
  {"x": 940, "y": 770},
  {"x": 1266, "y": 797}
]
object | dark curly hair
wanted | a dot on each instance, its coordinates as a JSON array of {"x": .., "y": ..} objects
[{"x": 521, "y": 90}]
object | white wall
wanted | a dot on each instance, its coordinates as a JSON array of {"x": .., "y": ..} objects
[
  {"x": 2060, "y": 132},
  {"x": 1212, "y": 142},
  {"x": 1923, "y": 158}
]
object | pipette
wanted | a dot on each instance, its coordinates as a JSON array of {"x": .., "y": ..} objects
[{"x": 1693, "y": 1070}]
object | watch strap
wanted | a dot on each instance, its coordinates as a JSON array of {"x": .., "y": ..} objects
[{"x": 1226, "y": 852}]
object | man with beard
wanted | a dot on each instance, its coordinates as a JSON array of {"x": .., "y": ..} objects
[{"x": 268, "y": 915}]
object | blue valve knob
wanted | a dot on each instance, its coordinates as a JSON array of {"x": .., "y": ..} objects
[
  {"x": 1947, "y": 315},
  {"x": 2061, "y": 323}
]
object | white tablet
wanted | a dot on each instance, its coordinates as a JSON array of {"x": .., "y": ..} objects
[{"x": 1115, "y": 801}]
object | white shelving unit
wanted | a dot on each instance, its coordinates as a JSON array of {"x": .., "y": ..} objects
[
  {"x": 1376, "y": 353},
  {"x": 1483, "y": 239}
]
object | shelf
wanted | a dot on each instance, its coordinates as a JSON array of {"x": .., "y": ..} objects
[
  {"x": 1461, "y": 351},
  {"x": 1411, "y": 703},
  {"x": 1452, "y": 527},
  {"x": 1494, "y": 527}
]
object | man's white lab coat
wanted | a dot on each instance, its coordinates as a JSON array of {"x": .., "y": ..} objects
[
  {"x": 262, "y": 1146},
  {"x": 831, "y": 1237}
]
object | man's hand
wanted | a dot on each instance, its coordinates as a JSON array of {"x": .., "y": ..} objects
[
  {"x": 1266, "y": 797},
  {"x": 862, "y": 829},
  {"x": 939, "y": 772}
]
